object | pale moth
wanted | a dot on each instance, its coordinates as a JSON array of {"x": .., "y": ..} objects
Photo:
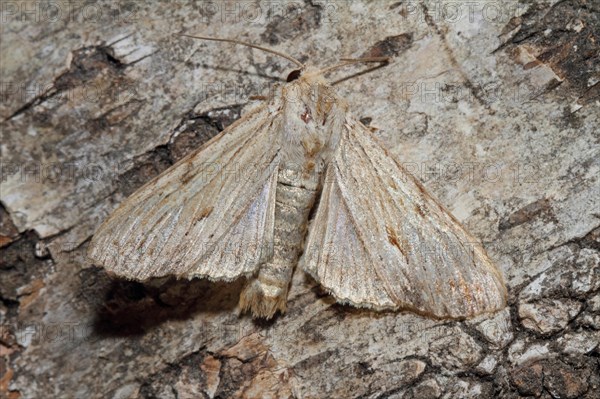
[{"x": 240, "y": 206}]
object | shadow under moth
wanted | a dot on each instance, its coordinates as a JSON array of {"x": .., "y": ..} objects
[{"x": 299, "y": 180}]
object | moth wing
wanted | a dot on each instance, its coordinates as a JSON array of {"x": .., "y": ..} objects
[
  {"x": 209, "y": 215},
  {"x": 379, "y": 240}
]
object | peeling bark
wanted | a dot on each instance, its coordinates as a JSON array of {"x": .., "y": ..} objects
[{"x": 497, "y": 113}]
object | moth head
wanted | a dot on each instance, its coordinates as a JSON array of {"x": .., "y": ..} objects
[
  {"x": 295, "y": 74},
  {"x": 310, "y": 103}
]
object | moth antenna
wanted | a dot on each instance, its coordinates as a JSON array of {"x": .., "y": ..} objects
[
  {"x": 350, "y": 61},
  {"x": 367, "y": 59},
  {"x": 268, "y": 50}
]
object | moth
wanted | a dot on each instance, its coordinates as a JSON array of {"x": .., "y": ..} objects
[{"x": 300, "y": 180}]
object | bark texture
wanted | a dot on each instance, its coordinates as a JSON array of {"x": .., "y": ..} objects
[{"x": 493, "y": 105}]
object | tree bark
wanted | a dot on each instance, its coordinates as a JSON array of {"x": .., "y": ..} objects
[{"x": 493, "y": 105}]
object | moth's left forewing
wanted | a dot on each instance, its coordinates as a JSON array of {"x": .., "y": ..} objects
[
  {"x": 380, "y": 240},
  {"x": 210, "y": 215}
]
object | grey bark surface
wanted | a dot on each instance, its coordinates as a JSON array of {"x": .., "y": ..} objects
[{"x": 493, "y": 105}]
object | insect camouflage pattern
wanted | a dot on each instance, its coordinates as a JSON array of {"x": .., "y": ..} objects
[{"x": 240, "y": 206}]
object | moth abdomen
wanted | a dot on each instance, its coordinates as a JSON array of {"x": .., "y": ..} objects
[{"x": 266, "y": 293}]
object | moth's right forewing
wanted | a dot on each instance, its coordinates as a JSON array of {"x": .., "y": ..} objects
[
  {"x": 210, "y": 215},
  {"x": 380, "y": 240}
]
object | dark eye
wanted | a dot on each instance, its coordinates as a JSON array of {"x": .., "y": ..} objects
[{"x": 293, "y": 75}]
